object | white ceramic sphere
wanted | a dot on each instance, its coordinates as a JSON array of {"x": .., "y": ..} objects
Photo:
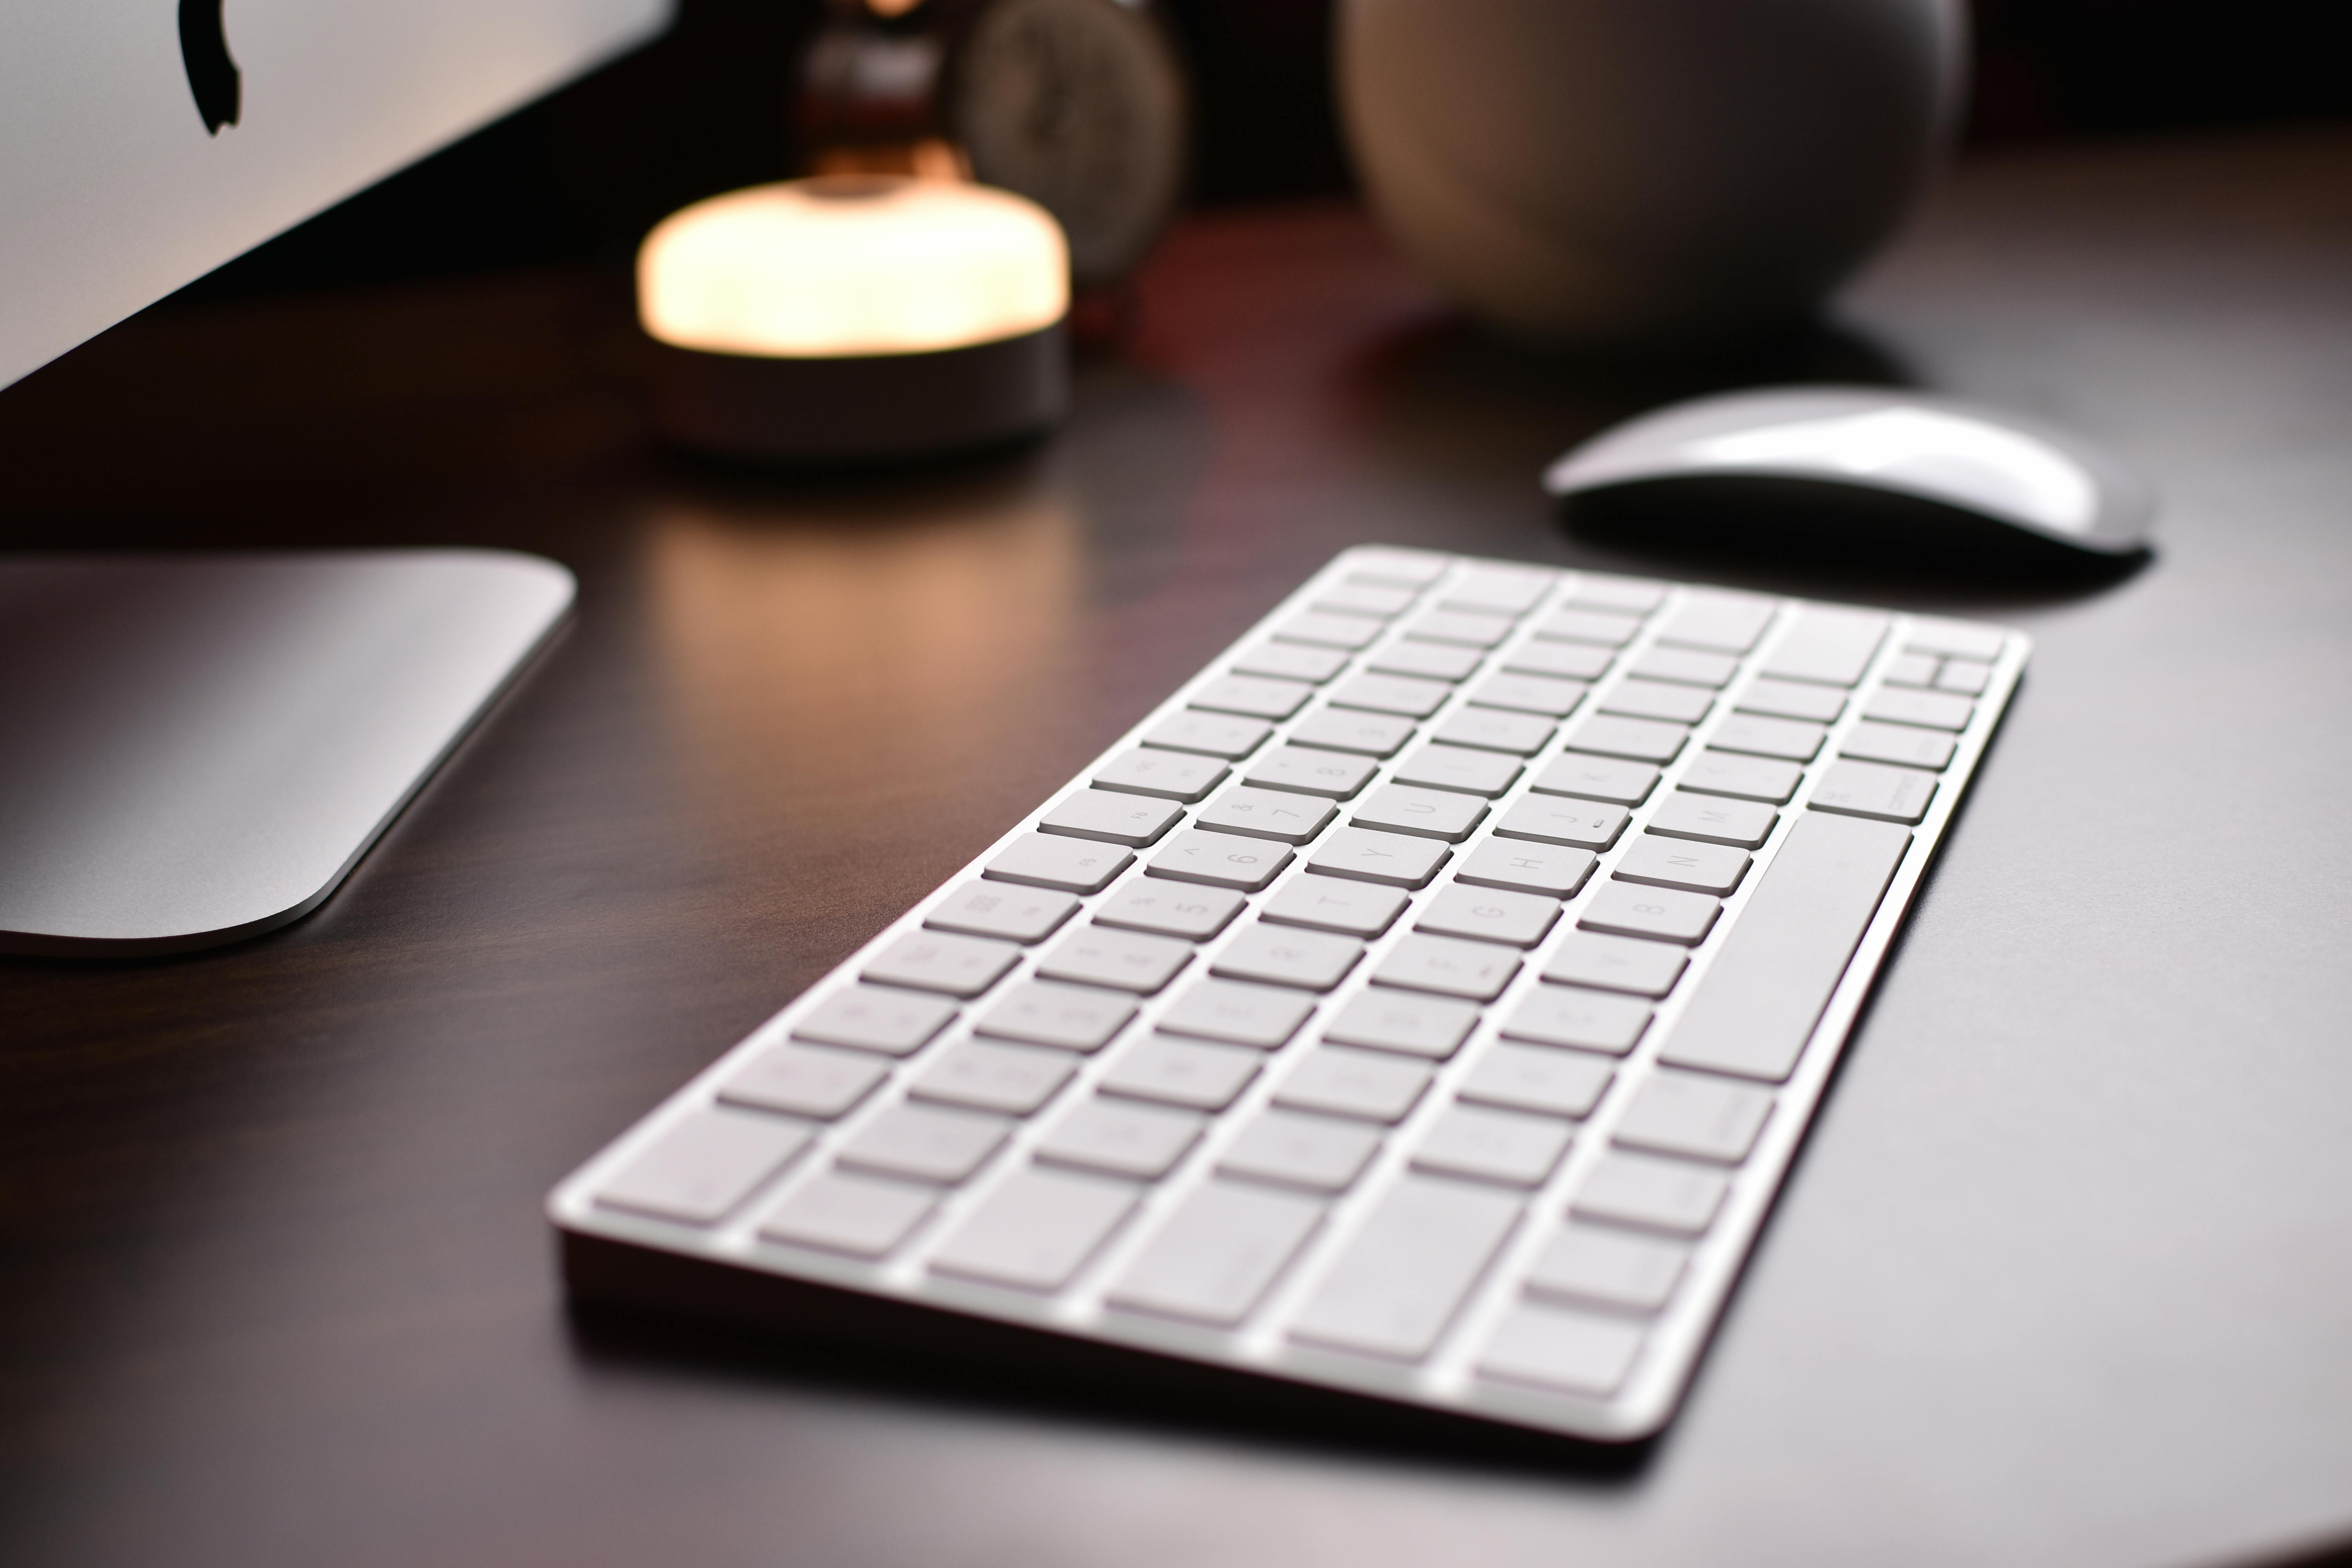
[{"x": 1629, "y": 172}]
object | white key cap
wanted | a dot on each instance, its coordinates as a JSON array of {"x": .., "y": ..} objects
[
  {"x": 1601, "y": 626},
  {"x": 1251, "y": 696},
  {"x": 1954, "y": 638},
  {"x": 1391, "y": 1020},
  {"x": 1542, "y": 694},
  {"x": 1339, "y": 904},
  {"x": 1833, "y": 647},
  {"x": 935, "y": 961},
  {"x": 1015, "y": 1079},
  {"x": 1758, "y": 737},
  {"x": 1280, "y": 814},
  {"x": 1367, "y": 734},
  {"x": 1260, "y": 1015},
  {"x": 1899, "y": 743},
  {"x": 1639, "y": 698},
  {"x": 1594, "y": 778},
  {"x": 1310, "y": 1152},
  {"x": 1720, "y": 622},
  {"x": 1531, "y": 1077},
  {"x": 1282, "y": 955},
  {"x": 1522, "y": 920},
  {"x": 1459, "y": 768},
  {"x": 1171, "y": 776},
  {"x": 1702, "y": 1118},
  {"x": 1122, "y": 960},
  {"x": 1500, "y": 1146},
  {"x": 1930, "y": 709},
  {"x": 705, "y": 1165},
  {"x": 1874, "y": 790},
  {"x": 1464, "y": 626},
  {"x": 1329, "y": 630},
  {"x": 1787, "y": 699},
  {"x": 1292, "y": 661},
  {"x": 1491, "y": 729},
  {"x": 1479, "y": 970},
  {"x": 875, "y": 1020},
  {"x": 1396, "y": 1287},
  {"x": 1636, "y": 739},
  {"x": 1189, "y": 1073},
  {"x": 1111, "y": 816},
  {"x": 1742, "y": 778},
  {"x": 1426, "y": 813},
  {"x": 1428, "y": 660},
  {"x": 1912, "y": 669},
  {"x": 1364, "y": 599},
  {"x": 1662, "y": 914},
  {"x": 926, "y": 1143},
  {"x": 1073, "y": 1017},
  {"x": 1035, "y": 1230},
  {"x": 1409, "y": 568},
  {"x": 1574, "y": 1351},
  {"x": 1579, "y": 824},
  {"x": 1626, "y": 595},
  {"x": 1964, "y": 675},
  {"x": 1657, "y": 1194},
  {"x": 1210, "y": 734},
  {"x": 1400, "y": 694},
  {"x": 1220, "y": 859},
  {"x": 1172, "y": 909},
  {"x": 1711, "y": 819},
  {"x": 1527, "y": 868},
  {"x": 1072, "y": 865},
  {"x": 1309, "y": 771},
  {"x": 1365, "y": 1085},
  {"x": 1588, "y": 1020},
  {"x": 849, "y": 1213},
  {"x": 1586, "y": 1263},
  {"x": 1567, "y": 660},
  {"x": 1393, "y": 859},
  {"x": 1678, "y": 862},
  {"x": 806, "y": 1080},
  {"x": 1139, "y": 1140},
  {"x": 1217, "y": 1253},
  {"x": 1616, "y": 964},
  {"x": 1712, "y": 670},
  {"x": 1004, "y": 910},
  {"x": 1501, "y": 591}
]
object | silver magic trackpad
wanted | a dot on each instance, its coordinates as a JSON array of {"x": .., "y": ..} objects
[{"x": 195, "y": 749}]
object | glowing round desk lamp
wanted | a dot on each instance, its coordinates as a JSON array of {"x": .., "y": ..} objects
[{"x": 856, "y": 317}]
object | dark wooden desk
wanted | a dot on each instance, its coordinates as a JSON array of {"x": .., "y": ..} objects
[{"x": 2063, "y": 1276}]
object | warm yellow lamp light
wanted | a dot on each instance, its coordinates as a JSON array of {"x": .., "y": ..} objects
[{"x": 855, "y": 317}]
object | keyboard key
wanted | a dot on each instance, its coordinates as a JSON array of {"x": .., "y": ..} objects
[
  {"x": 1954, "y": 638},
  {"x": 1530, "y": 1077},
  {"x": 926, "y": 1143},
  {"x": 1965, "y": 676},
  {"x": 1766, "y": 991},
  {"x": 1112, "y": 817},
  {"x": 1491, "y": 729},
  {"x": 1327, "y": 629},
  {"x": 1487, "y": 773},
  {"x": 1498, "y": 590},
  {"x": 1367, "y": 734},
  {"x": 1565, "y": 660},
  {"x": 1425, "y": 813},
  {"x": 1639, "y": 698},
  {"x": 1397, "y": 1021},
  {"x": 1912, "y": 669},
  {"x": 1035, "y": 1230},
  {"x": 1170, "y": 908},
  {"x": 1522, "y": 920},
  {"x": 1139, "y": 1140},
  {"x": 1829, "y": 645},
  {"x": 1626, "y": 595},
  {"x": 1464, "y": 626},
  {"x": 1000, "y": 910},
  {"x": 1396, "y": 1287},
  {"x": 1210, "y": 734},
  {"x": 1365, "y": 1085},
  {"x": 872, "y": 1019},
  {"x": 1574, "y": 1351},
  {"x": 1426, "y": 660},
  {"x": 1396, "y": 859},
  {"x": 1399, "y": 694},
  {"x": 1758, "y": 737},
  {"x": 1542, "y": 694},
  {"x": 1410, "y": 568},
  {"x": 1499, "y": 1146},
  {"x": 1449, "y": 966},
  {"x": 1171, "y": 776},
  {"x": 1260, "y": 1015},
  {"x": 849, "y": 1213},
  {"x": 1662, "y": 914},
  {"x": 1929, "y": 710},
  {"x": 1014, "y": 1079},
  {"x": 1072, "y": 865},
  {"x": 1364, "y": 599},
  {"x": 1655, "y": 1195},
  {"x": 1122, "y": 960},
  {"x": 806, "y": 1080},
  {"x": 705, "y": 1165},
  {"x": 1280, "y": 955},
  {"x": 1701, "y": 1117},
  {"x": 1586, "y": 1020},
  {"x": 1586, "y": 1263},
  {"x": 1710, "y": 819},
  {"x": 1280, "y": 814},
  {"x": 1310, "y": 1152},
  {"x": 1580, "y": 825},
  {"x": 1545, "y": 869},
  {"x": 1712, "y": 670},
  {"x": 1874, "y": 790},
  {"x": 1601, "y": 626},
  {"x": 1220, "y": 859},
  {"x": 1787, "y": 699},
  {"x": 934, "y": 961},
  {"x": 1336, "y": 904},
  {"x": 1720, "y": 622},
  {"x": 1742, "y": 778},
  {"x": 1292, "y": 661},
  {"x": 1592, "y": 778},
  {"x": 1616, "y": 964},
  {"x": 1073, "y": 1017},
  {"x": 1679, "y": 863},
  {"x": 1636, "y": 739},
  {"x": 1307, "y": 771},
  {"x": 1899, "y": 743},
  {"x": 1191, "y": 1073},
  {"x": 1251, "y": 696},
  {"x": 1218, "y": 1254}
]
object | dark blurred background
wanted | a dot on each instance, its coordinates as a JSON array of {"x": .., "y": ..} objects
[{"x": 582, "y": 174}]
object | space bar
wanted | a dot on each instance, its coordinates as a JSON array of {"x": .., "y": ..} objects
[{"x": 1759, "y": 1004}]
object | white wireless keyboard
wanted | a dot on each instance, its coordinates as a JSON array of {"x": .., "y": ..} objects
[{"x": 1425, "y": 1001}]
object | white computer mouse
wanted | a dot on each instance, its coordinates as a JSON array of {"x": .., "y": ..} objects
[{"x": 2011, "y": 472}]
